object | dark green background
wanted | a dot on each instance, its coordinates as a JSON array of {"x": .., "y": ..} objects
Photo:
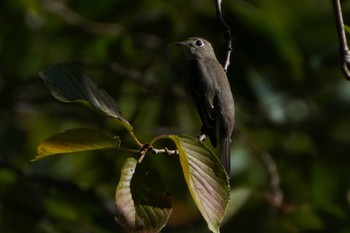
[{"x": 291, "y": 98}]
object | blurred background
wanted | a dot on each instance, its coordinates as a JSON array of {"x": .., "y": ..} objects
[{"x": 292, "y": 108}]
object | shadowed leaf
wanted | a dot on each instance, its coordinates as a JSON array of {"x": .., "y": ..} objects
[
  {"x": 75, "y": 140},
  {"x": 67, "y": 82},
  {"x": 142, "y": 202}
]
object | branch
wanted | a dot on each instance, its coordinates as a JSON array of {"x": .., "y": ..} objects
[
  {"x": 147, "y": 147},
  {"x": 71, "y": 17},
  {"x": 344, "y": 50},
  {"x": 145, "y": 80},
  {"x": 227, "y": 33},
  {"x": 57, "y": 7},
  {"x": 165, "y": 150},
  {"x": 276, "y": 197}
]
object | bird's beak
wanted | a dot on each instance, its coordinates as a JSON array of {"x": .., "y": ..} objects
[{"x": 182, "y": 43}]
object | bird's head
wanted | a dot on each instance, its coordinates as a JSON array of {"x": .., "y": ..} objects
[{"x": 197, "y": 48}]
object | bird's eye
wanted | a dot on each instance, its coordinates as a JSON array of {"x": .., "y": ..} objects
[{"x": 199, "y": 43}]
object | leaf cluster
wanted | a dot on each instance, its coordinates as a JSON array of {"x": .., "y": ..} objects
[{"x": 143, "y": 205}]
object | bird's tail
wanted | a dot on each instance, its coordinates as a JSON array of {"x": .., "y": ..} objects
[{"x": 225, "y": 153}]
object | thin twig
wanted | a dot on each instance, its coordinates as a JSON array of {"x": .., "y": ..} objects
[
  {"x": 344, "y": 50},
  {"x": 71, "y": 17},
  {"x": 276, "y": 197},
  {"x": 165, "y": 150},
  {"x": 227, "y": 34},
  {"x": 58, "y": 8},
  {"x": 147, "y": 147},
  {"x": 147, "y": 81}
]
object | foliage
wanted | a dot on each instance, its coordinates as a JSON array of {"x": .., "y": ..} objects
[
  {"x": 292, "y": 103},
  {"x": 148, "y": 208}
]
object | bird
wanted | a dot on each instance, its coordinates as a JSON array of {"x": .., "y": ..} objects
[{"x": 206, "y": 84}]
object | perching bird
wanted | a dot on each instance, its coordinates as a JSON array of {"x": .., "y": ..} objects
[{"x": 207, "y": 85}]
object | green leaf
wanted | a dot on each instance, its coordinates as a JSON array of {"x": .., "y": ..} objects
[
  {"x": 347, "y": 28},
  {"x": 75, "y": 140},
  {"x": 143, "y": 205},
  {"x": 68, "y": 82},
  {"x": 306, "y": 219},
  {"x": 206, "y": 179}
]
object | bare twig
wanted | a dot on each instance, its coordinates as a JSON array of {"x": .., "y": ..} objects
[
  {"x": 344, "y": 50},
  {"x": 227, "y": 33},
  {"x": 147, "y": 147},
  {"x": 147, "y": 81},
  {"x": 143, "y": 151},
  {"x": 60, "y": 9},
  {"x": 276, "y": 197},
  {"x": 165, "y": 150},
  {"x": 144, "y": 80}
]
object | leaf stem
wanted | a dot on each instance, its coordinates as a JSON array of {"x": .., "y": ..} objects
[{"x": 135, "y": 138}]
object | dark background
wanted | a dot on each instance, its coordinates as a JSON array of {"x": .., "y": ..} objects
[{"x": 292, "y": 103}]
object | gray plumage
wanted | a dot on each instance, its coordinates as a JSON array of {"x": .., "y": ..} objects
[{"x": 207, "y": 85}]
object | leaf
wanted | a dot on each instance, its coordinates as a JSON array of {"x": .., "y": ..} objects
[
  {"x": 126, "y": 213},
  {"x": 68, "y": 82},
  {"x": 75, "y": 140},
  {"x": 347, "y": 28},
  {"x": 143, "y": 205},
  {"x": 306, "y": 219},
  {"x": 206, "y": 179}
]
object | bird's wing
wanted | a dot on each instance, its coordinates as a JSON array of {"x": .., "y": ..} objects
[{"x": 200, "y": 84}]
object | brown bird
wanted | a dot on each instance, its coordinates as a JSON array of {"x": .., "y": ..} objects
[{"x": 207, "y": 85}]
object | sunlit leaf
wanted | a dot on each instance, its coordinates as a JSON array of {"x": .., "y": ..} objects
[
  {"x": 75, "y": 140},
  {"x": 126, "y": 213},
  {"x": 206, "y": 179},
  {"x": 68, "y": 82},
  {"x": 143, "y": 205}
]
